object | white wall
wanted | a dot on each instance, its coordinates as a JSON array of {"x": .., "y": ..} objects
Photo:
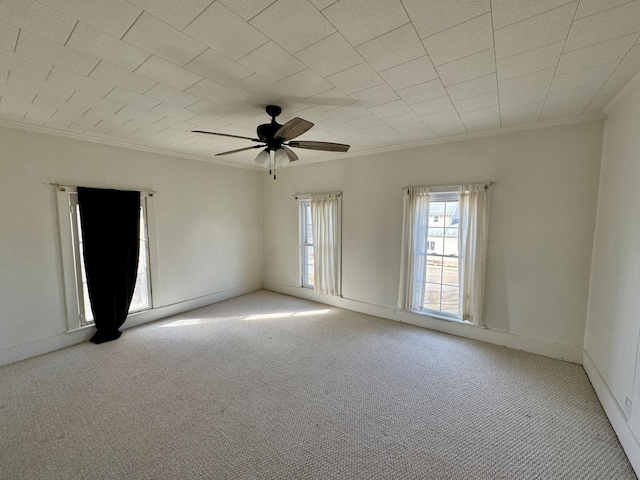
[
  {"x": 208, "y": 230},
  {"x": 541, "y": 228},
  {"x": 613, "y": 320}
]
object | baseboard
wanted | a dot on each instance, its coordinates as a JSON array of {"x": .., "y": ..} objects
[
  {"x": 615, "y": 414},
  {"x": 538, "y": 346},
  {"x": 56, "y": 342}
]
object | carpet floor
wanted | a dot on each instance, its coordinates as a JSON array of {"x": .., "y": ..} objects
[{"x": 267, "y": 386}]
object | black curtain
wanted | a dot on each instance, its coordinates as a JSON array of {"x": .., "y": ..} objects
[{"x": 110, "y": 221}]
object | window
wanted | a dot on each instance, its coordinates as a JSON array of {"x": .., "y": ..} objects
[
  {"x": 79, "y": 311},
  {"x": 306, "y": 244},
  {"x": 442, "y": 290},
  {"x": 443, "y": 261},
  {"x": 320, "y": 244}
]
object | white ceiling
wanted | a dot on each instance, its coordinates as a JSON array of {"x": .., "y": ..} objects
[{"x": 370, "y": 73}]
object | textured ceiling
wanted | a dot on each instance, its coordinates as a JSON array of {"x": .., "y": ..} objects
[{"x": 370, "y": 73}]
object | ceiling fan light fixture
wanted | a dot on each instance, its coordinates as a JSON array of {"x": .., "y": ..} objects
[
  {"x": 281, "y": 158},
  {"x": 263, "y": 159}
]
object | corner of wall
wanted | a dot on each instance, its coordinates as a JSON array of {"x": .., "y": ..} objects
[{"x": 614, "y": 413}]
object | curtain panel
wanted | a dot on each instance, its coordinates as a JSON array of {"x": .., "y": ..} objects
[
  {"x": 110, "y": 222},
  {"x": 415, "y": 226},
  {"x": 325, "y": 225},
  {"x": 472, "y": 245}
]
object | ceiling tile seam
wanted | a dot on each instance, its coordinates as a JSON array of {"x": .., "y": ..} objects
[
  {"x": 495, "y": 63},
  {"x": 452, "y": 26},
  {"x": 17, "y": 39},
  {"x": 367, "y": 88},
  {"x": 566, "y": 2},
  {"x": 338, "y": 30},
  {"x": 471, "y": 79},
  {"x": 93, "y": 69},
  {"x": 426, "y": 53},
  {"x": 462, "y": 58},
  {"x": 49, "y": 74},
  {"x": 607, "y": 79},
  {"x": 524, "y": 75},
  {"x": 131, "y": 26},
  {"x": 221, "y": 54},
  {"x": 544, "y": 13},
  {"x": 477, "y": 109},
  {"x": 71, "y": 33},
  {"x": 432, "y": 64},
  {"x": 474, "y": 96},
  {"x": 386, "y": 33},
  {"x": 556, "y": 69},
  {"x": 596, "y": 65},
  {"x": 162, "y": 83},
  {"x": 531, "y": 50},
  {"x": 265, "y": 8},
  {"x": 196, "y": 17},
  {"x": 308, "y": 46},
  {"x": 523, "y": 105},
  {"x": 606, "y": 10},
  {"x": 345, "y": 69},
  {"x": 408, "y": 61},
  {"x": 637, "y": 32},
  {"x": 170, "y": 27},
  {"x": 567, "y": 90}
]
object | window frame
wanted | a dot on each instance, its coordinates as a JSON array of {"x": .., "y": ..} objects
[
  {"x": 303, "y": 244},
  {"x": 443, "y": 194},
  {"x": 67, "y": 201}
]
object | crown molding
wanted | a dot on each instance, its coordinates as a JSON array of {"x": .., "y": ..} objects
[
  {"x": 87, "y": 137},
  {"x": 623, "y": 96},
  {"x": 333, "y": 156},
  {"x": 459, "y": 138}
]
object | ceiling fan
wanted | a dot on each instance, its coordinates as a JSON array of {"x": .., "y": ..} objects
[{"x": 277, "y": 138}]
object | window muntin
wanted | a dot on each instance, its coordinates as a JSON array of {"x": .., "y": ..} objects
[
  {"x": 141, "y": 299},
  {"x": 306, "y": 245}
]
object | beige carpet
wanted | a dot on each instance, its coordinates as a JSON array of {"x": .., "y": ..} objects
[{"x": 267, "y": 386}]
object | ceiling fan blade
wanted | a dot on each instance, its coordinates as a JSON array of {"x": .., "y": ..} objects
[
  {"x": 292, "y": 129},
  {"x": 290, "y": 153},
  {"x": 240, "y": 150},
  {"x": 226, "y": 135},
  {"x": 327, "y": 146}
]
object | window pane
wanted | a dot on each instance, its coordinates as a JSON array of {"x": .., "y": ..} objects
[
  {"x": 434, "y": 269},
  {"x": 450, "y": 271},
  {"x": 432, "y": 296},
  {"x": 450, "y": 299},
  {"x": 310, "y": 276},
  {"x": 436, "y": 240},
  {"x": 451, "y": 241},
  {"x": 436, "y": 210},
  {"x": 308, "y": 265}
]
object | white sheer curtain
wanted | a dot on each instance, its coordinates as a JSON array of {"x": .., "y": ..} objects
[
  {"x": 472, "y": 242},
  {"x": 325, "y": 225},
  {"x": 415, "y": 224}
]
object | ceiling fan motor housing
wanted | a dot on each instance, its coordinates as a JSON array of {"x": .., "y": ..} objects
[{"x": 266, "y": 134}]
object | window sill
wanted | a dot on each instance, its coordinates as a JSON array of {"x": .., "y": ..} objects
[
  {"x": 440, "y": 317},
  {"x": 92, "y": 325},
  {"x": 81, "y": 328}
]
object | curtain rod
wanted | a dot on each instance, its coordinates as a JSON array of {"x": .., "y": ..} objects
[
  {"x": 296, "y": 195},
  {"x": 451, "y": 186},
  {"x": 64, "y": 188}
]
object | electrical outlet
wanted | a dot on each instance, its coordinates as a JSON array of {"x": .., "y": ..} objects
[{"x": 226, "y": 285}]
